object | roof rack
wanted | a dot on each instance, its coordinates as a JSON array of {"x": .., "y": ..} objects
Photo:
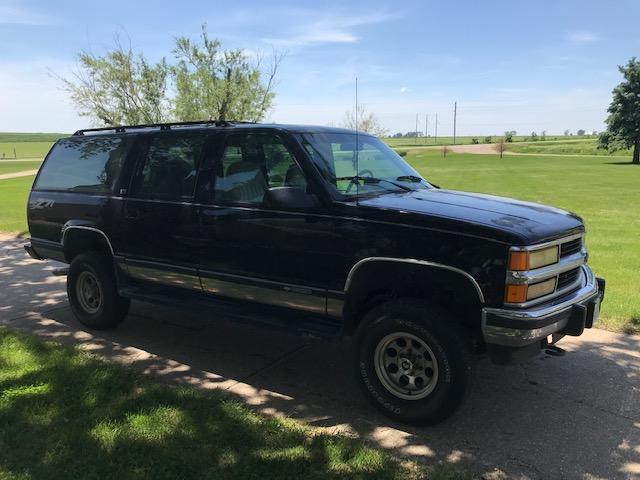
[{"x": 161, "y": 126}]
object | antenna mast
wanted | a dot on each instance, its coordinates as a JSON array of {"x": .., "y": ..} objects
[{"x": 357, "y": 145}]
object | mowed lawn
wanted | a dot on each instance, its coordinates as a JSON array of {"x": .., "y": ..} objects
[
  {"x": 603, "y": 191},
  {"x": 12, "y": 166},
  {"x": 65, "y": 415},
  {"x": 13, "y": 198}
]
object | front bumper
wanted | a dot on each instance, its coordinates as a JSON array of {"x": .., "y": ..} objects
[{"x": 568, "y": 315}]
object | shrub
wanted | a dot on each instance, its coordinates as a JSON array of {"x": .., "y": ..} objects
[
  {"x": 487, "y": 139},
  {"x": 474, "y": 141}
]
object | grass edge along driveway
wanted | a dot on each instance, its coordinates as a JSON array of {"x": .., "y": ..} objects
[{"x": 66, "y": 414}]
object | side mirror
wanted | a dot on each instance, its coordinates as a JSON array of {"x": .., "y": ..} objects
[{"x": 290, "y": 198}]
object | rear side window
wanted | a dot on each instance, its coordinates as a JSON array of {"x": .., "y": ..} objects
[
  {"x": 84, "y": 164},
  {"x": 171, "y": 166}
]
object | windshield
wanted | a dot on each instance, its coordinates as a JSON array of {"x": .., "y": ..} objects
[{"x": 371, "y": 168}]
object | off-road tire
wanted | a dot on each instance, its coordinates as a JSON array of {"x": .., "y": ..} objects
[
  {"x": 446, "y": 342},
  {"x": 111, "y": 308}
]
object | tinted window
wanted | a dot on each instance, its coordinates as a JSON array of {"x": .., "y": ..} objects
[
  {"x": 90, "y": 164},
  {"x": 253, "y": 163},
  {"x": 171, "y": 165}
]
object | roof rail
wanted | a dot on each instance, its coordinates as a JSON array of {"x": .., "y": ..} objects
[{"x": 161, "y": 126}]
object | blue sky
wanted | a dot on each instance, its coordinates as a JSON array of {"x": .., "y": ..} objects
[{"x": 510, "y": 65}]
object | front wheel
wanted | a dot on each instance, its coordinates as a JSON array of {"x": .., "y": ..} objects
[
  {"x": 412, "y": 361},
  {"x": 93, "y": 293}
]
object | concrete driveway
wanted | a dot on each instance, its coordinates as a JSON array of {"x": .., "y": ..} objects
[{"x": 574, "y": 417}]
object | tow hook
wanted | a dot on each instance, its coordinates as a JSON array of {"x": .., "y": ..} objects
[{"x": 555, "y": 351}]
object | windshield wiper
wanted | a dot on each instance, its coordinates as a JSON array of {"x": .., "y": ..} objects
[
  {"x": 409, "y": 178},
  {"x": 354, "y": 179}
]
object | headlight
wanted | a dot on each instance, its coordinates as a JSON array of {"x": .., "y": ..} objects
[
  {"x": 520, "y": 293},
  {"x": 530, "y": 260}
]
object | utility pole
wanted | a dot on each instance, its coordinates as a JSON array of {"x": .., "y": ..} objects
[
  {"x": 455, "y": 115},
  {"x": 416, "y": 128},
  {"x": 426, "y": 127},
  {"x": 436, "y": 133}
]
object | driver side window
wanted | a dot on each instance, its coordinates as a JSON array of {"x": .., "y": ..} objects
[{"x": 250, "y": 165}]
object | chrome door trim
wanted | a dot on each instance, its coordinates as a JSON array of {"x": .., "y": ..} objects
[
  {"x": 164, "y": 273},
  {"x": 413, "y": 261}
]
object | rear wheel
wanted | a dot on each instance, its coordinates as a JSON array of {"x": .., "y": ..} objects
[
  {"x": 412, "y": 361},
  {"x": 93, "y": 293}
]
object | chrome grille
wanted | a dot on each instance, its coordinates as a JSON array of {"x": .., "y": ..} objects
[
  {"x": 570, "y": 247},
  {"x": 567, "y": 278}
]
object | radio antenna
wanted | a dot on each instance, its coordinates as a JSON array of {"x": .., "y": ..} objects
[{"x": 357, "y": 145}]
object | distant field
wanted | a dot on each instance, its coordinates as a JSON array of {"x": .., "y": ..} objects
[
  {"x": 9, "y": 137},
  {"x": 9, "y": 150},
  {"x": 565, "y": 147},
  {"x": 601, "y": 190},
  {"x": 412, "y": 142},
  {"x": 18, "y": 166}
]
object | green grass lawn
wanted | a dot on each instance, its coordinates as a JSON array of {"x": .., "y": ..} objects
[
  {"x": 65, "y": 415},
  {"x": 12, "y": 166},
  {"x": 601, "y": 190},
  {"x": 30, "y": 137},
  {"x": 13, "y": 198},
  {"x": 24, "y": 150}
]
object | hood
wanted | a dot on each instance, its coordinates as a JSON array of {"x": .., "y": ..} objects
[{"x": 528, "y": 222}]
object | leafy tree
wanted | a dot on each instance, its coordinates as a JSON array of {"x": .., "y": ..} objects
[
  {"x": 566, "y": 133},
  {"x": 534, "y": 136},
  {"x": 119, "y": 88},
  {"x": 475, "y": 141},
  {"x": 580, "y": 132},
  {"x": 623, "y": 122},
  {"x": 364, "y": 122},
  {"x": 123, "y": 87},
  {"x": 508, "y": 136},
  {"x": 221, "y": 84},
  {"x": 487, "y": 139}
]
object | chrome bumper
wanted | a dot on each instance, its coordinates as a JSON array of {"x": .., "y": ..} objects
[{"x": 521, "y": 327}]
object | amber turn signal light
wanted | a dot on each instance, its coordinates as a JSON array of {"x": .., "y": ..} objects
[
  {"x": 518, "y": 261},
  {"x": 516, "y": 293}
]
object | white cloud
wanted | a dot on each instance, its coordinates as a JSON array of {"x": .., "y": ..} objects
[
  {"x": 11, "y": 13},
  {"x": 328, "y": 28},
  {"x": 404, "y": 90},
  {"x": 582, "y": 37}
]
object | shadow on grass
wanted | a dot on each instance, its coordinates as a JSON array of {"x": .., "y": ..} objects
[
  {"x": 633, "y": 327},
  {"x": 66, "y": 415},
  {"x": 620, "y": 163}
]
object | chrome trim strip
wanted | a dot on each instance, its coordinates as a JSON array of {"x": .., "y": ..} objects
[
  {"x": 552, "y": 243},
  {"x": 550, "y": 271},
  {"x": 414, "y": 261},
  {"x": 65, "y": 229},
  {"x": 513, "y": 337},
  {"x": 289, "y": 296},
  {"x": 171, "y": 275}
]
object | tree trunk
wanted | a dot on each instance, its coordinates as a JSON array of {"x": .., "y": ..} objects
[{"x": 636, "y": 152}]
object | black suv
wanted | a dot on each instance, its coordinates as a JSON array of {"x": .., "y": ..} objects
[{"x": 319, "y": 230}]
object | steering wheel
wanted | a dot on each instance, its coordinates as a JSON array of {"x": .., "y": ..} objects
[{"x": 361, "y": 173}]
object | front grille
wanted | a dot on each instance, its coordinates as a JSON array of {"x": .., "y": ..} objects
[
  {"x": 567, "y": 278},
  {"x": 570, "y": 247}
]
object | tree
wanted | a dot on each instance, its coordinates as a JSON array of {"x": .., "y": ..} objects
[
  {"x": 119, "y": 88},
  {"x": 207, "y": 82},
  {"x": 221, "y": 84},
  {"x": 623, "y": 122},
  {"x": 534, "y": 136},
  {"x": 508, "y": 136},
  {"x": 501, "y": 146},
  {"x": 365, "y": 122},
  {"x": 580, "y": 132},
  {"x": 566, "y": 133}
]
